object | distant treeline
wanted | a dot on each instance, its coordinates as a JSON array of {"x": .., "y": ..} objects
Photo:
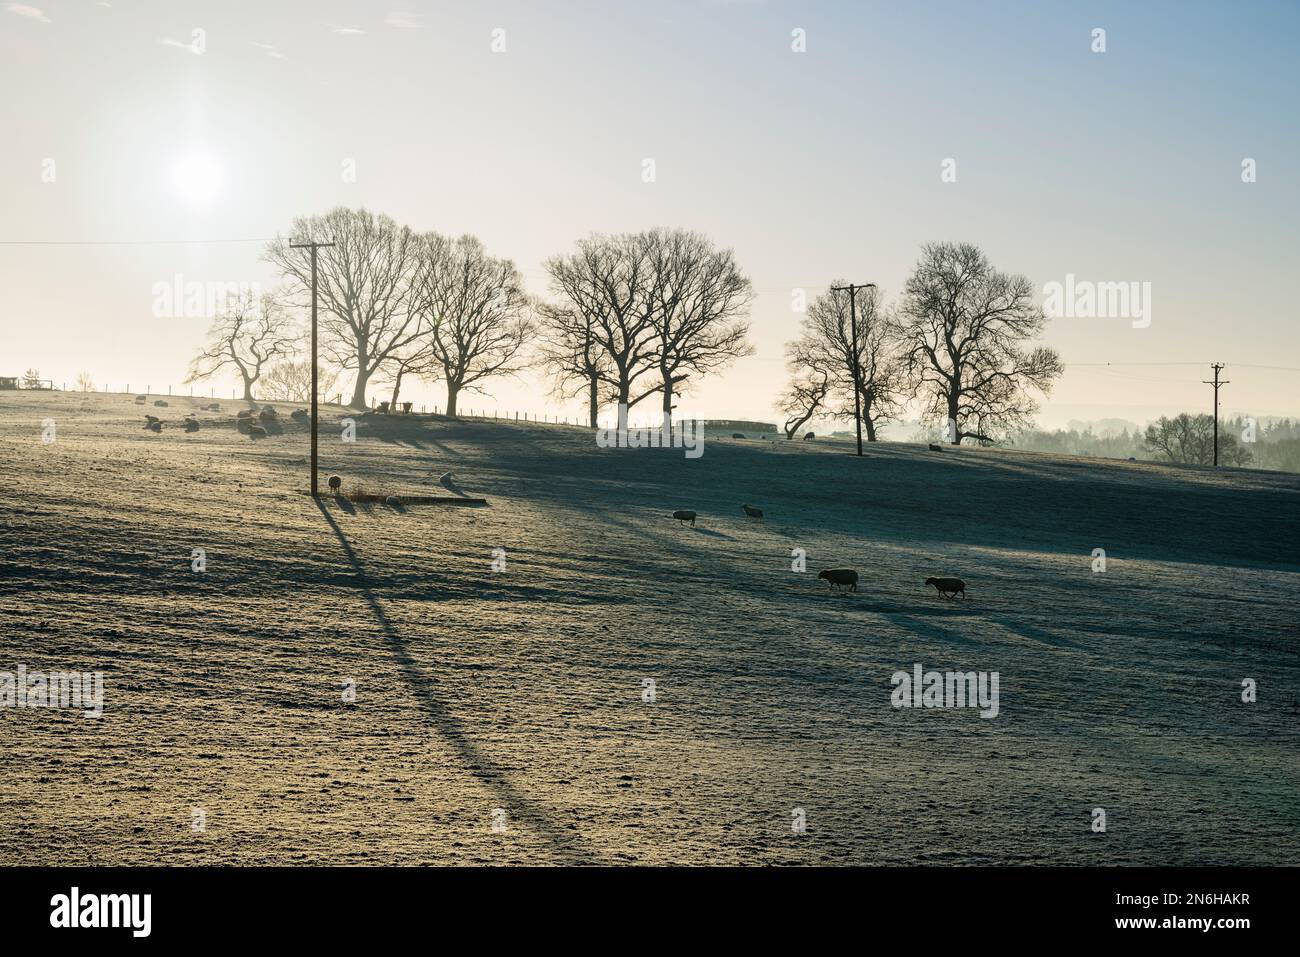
[{"x": 1268, "y": 443}]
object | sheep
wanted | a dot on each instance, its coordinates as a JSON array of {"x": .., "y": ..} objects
[
  {"x": 244, "y": 413},
  {"x": 266, "y": 417},
  {"x": 256, "y": 432},
  {"x": 141, "y": 399},
  {"x": 840, "y": 576},
  {"x": 149, "y": 420},
  {"x": 298, "y": 414},
  {"x": 335, "y": 483},
  {"x": 269, "y": 410},
  {"x": 191, "y": 424},
  {"x": 244, "y": 424},
  {"x": 809, "y": 437},
  {"x": 935, "y": 448},
  {"x": 752, "y": 512},
  {"x": 154, "y": 426},
  {"x": 737, "y": 435},
  {"x": 685, "y": 515},
  {"x": 948, "y": 586},
  {"x": 161, "y": 403},
  {"x": 393, "y": 501}
]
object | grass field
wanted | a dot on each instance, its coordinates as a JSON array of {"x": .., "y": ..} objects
[{"x": 522, "y": 689}]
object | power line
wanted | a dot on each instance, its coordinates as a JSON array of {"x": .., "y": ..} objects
[{"x": 128, "y": 242}]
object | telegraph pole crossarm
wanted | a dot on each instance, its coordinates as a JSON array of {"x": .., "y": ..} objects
[{"x": 313, "y": 246}]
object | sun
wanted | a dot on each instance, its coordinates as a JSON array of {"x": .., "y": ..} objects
[{"x": 197, "y": 178}]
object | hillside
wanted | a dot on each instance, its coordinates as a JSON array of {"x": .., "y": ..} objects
[{"x": 522, "y": 689}]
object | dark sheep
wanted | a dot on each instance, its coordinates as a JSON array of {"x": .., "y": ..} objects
[
  {"x": 154, "y": 426},
  {"x": 161, "y": 403},
  {"x": 141, "y": 399},
  {"x": 685, "y": 515},
  {"x": 935, "y": 448},
  {"x": 737, "y": 435},
  {"x": 840, "y": 576},
  {"x": 191, "y": 424},
  {"x": 752, "y": 512},
  {"x": 298, "y": 414},
  {"x": 256, "y": 432},
  {"x": 335, "y": 483},
  {"x": 149, "y": 420},
  {"x": 809, "y": 437},
  {"x": 244, "y": 413},
  {"x": 948, "y": 586},
  {"x": 244, "y": 424}
]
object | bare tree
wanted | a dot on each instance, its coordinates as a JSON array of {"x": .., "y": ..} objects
[
  {"x": 252, "y": 333},
  {"x": 964, "y": 327},
  {"x": 569, "y": 349},
  {"x": 825, "y": 351},
  {"x": 803, "y": 398},
  {"x": 364, "y": 282},
  {"x": 472, "y": 312},
  {"x": 696, "y": 296},
  {"x": 84, "y": 382},
  {"x": 291, "y": 381},
  {"x": 606, "y": 282},
  {"x": 1189, "y": 440}
]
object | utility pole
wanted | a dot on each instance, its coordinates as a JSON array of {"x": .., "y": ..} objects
[
  {"x": 313, "y": 246},
  {"x": 853, "y": 322},
  {"x": 1216, "y": 383}
]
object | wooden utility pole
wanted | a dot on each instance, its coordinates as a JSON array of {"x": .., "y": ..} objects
[
  {"x": 857, "y": 379},
  {"x": 1216, "y": 383},
  {"x": 313, "y": 246}
]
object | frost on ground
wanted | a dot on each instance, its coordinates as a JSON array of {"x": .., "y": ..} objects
[{"x": 522, "y": 689}]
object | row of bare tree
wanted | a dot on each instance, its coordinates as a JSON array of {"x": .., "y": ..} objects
[
  {"x": 956, "y": 343},
  {"x": 634, "y": 315}
]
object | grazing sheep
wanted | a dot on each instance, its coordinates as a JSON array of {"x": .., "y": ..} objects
[
  {"x": 243, "y": 425},
  {"x": 141, "y": 399},
  {"x": 935, "y": 448},
  {"x": 191, "y": 424},
  {"x": 154, "y": 426},
  {"x": 809, "y": 437},
  {"x": 840, "y": 576},
  {"x": 948, "y": 586},
  {"x": 265, "y": 416},
  {"x": 393, "y": 501},
  {"x": 244, "y": 413},
  {"x": 685, "y": 515},
  {"x": 752, "y": 512},
  {"x": 737, "y": 435},
  {"x": 299, "y": 414},
  {"x": 256, "y": 432},
  {"x": 150, "y": 420},
  {"x": 161, "y": 403},
  {"x": 335, "y": 483}
]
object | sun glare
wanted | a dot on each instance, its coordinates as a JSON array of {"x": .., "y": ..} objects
[{"x": 196, "y": 178}]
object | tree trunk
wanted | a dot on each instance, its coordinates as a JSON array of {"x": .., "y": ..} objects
[
  {"x": 668, "y": 405},
  {"x": 248, "y": 389},
  {"x": 397, "y": 387},
  {"x": 358, "y": 390},
  {"x": 951, "y": 431},
  {"x": 453, "y": 390},
  {"x": 592, "y": 403}
]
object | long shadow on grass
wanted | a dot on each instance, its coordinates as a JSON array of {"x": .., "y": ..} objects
[{"x": 569, "y": 846}]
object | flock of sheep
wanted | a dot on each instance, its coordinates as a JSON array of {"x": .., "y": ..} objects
[
  {"x": 839, "y": 577},
  {"x": 255, "y": 423}
]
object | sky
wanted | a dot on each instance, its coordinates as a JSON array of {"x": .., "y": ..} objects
[{"x": 528, "y": 124}]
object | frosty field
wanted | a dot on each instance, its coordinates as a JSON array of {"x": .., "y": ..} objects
[{"x": 522, "y": 689}]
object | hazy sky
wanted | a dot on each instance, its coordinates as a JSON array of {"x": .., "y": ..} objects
[{"x": 1117, "y": 166}]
